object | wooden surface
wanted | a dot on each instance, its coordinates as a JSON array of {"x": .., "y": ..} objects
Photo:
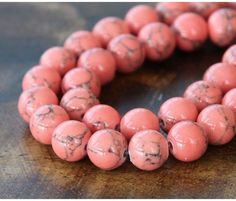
[{"x": 31, "y": 170}]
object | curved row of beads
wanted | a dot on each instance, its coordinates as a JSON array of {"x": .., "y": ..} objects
[{"x": 98, "y": 129}]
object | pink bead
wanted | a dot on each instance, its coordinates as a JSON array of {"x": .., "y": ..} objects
[
  {"x": 107, "y": 149},
  {"x": 148, "y": 150},
  {"x": 175, "y": 110},
  {"x": 31, "y": 99},
  {"x": 77, "y": 101},
  {"x": 44, "y": 120},
  {"x": 219, "y": 123},
  {"x": 128, "y": 51},
  {"x": 139, "y": 16},
  {"x": 70, "y": 139},
  {"x": 230, "y": 99},
  {"x": 81, "y": 77},
  {"x": 136, "y": 120},
  {"x": 100, "y": 117},
  {"x": 42, "y": 76},
  {"x": 222, "y": 75},
  {"x": 222, "y": 26},
  {"x": 191, "y": 30},
  {"x": 101, "y": 62},
  {"x": 58, "y": 58},
  {"x": 230, "y": 55},
  {"x": 159, "y": 41},
  {"x": 188, "y": 141},
  {"x": 108, "y": 28},
  {"x": 203, "y": 93},
  {"x": 80, "y": 41}
]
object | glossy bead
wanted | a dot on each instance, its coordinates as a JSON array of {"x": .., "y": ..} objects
[
  {"x": 148, "y": 150},
  {"x": 44, "y": 120},
  {"x": 136, "y": 120},
  {"x": 81, "y": 77},
  {"x": 230, "y": 55},
  {"x": 219, "y": 123},
  {"x": 191, "y": 30},
  {"x": 128, "y": 52},
  {"x": 203, "y": 93},
  {"x": 107, "y": 149},
  {"x": 70, "y": 139},
  {"x": 42, "y": 76},
  {"x": 175, "y": 110},
  {"x": 31, "y": 99},
  {"x": 102, "y": 116},
  {"x": 188, "y": 141},
  {"x": 222, "y": 26},
  {"x": 77, "y": 101},
  {"x": 58, "y": 58},
  {"x": 230, "y": 99},
  {"x": 101, "y": 62},
  {"x": 222, "y": 75},
  {"x": 108, "y": 28},
  {"x": 139, "y": 16},
  {"x": 80, "y": 41},
  {"x": 159, "y": 41}
]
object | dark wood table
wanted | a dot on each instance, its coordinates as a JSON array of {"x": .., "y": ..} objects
[{"x": 31, "y": 170}]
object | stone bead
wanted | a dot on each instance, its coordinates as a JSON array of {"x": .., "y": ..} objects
[
  {"x": 229, "y": 99},
  {"x": 230, "y": 55}
]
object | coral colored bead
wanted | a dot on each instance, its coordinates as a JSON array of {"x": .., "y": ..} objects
[
  {"x": 81, "y": 77},
  {"x": 108, "y": 28},
  {"x": 139, "y": 16},
  {"x": 203, "y": 93},
  {"x": 222, "y": 26},
  {"x": 107, "y": 149},
  {"x": 169, "y": 11},
  {"x": 191, "y": 30},
  {"x": 44, "y": 120},
  {"x": 70, "y": 139},
  {"x": 31, "y": 99},
  {"x": 101, "y": 62},
  {"x": 188, "y": 141},
  {"x": 175, "y": 110},
  {"x": 136, "y": 120},
  {"x": 80, "y": 41},
  {"x": 77, "y": 101},
  {"x": 100, "y": 117},
  {"x": 128, "y": 51},
  {"x": 148, "y": 150},
  {"x": 42, "y": 76},
  {"x": 229, "y": 99},
  {"x": 230, "y": 55},
  {"x": 219, "y": 123},
  {"x": 58, "y": 58},
  {"x": 222, "y": 75},
  {"x": 159, "y": 41}
]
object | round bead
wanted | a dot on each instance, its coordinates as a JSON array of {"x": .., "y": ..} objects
[
  {"x": 203, "y": 93},
  {"x": 222, "y": 26},
  {"x": 128, "y": 52},
  {"x": 159, "y": 41},
  {"x": 107, "y": 149},
  {"x": 101, "y": 62},
  {"x": 70, "y": 139},
  {"x": 175, "y": 110},
  {"x": 148, "y": 150},
  {"x": 188, "y": 141},
  {"x": 230, "y": 99},
  {"x": 191, "y": 30},
  {"x": 230, "y": 55},
  {"x": 44, "y": 120},
  {"x": 81, "y": 41},
  {"x": 139, "y": 16},
  {"x": 100, "y": 117},
  {"x": 58, "y": 58},
  {"x": 31, "y": 99},
  {"x": 108, "y": 28},
  {"x": 136, "y": 120},
  {"x": 77, "y": 101},
  {"x": 81, "y": 77},
  {"x": 42, "y": 76},
  {"x": 222, "y": 75},
  {"x": 219, "y": 123}
]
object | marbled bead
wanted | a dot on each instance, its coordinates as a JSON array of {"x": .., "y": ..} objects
[
  {"x": 230, "y": 55},
  {"x": 229, "y": 99}
]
